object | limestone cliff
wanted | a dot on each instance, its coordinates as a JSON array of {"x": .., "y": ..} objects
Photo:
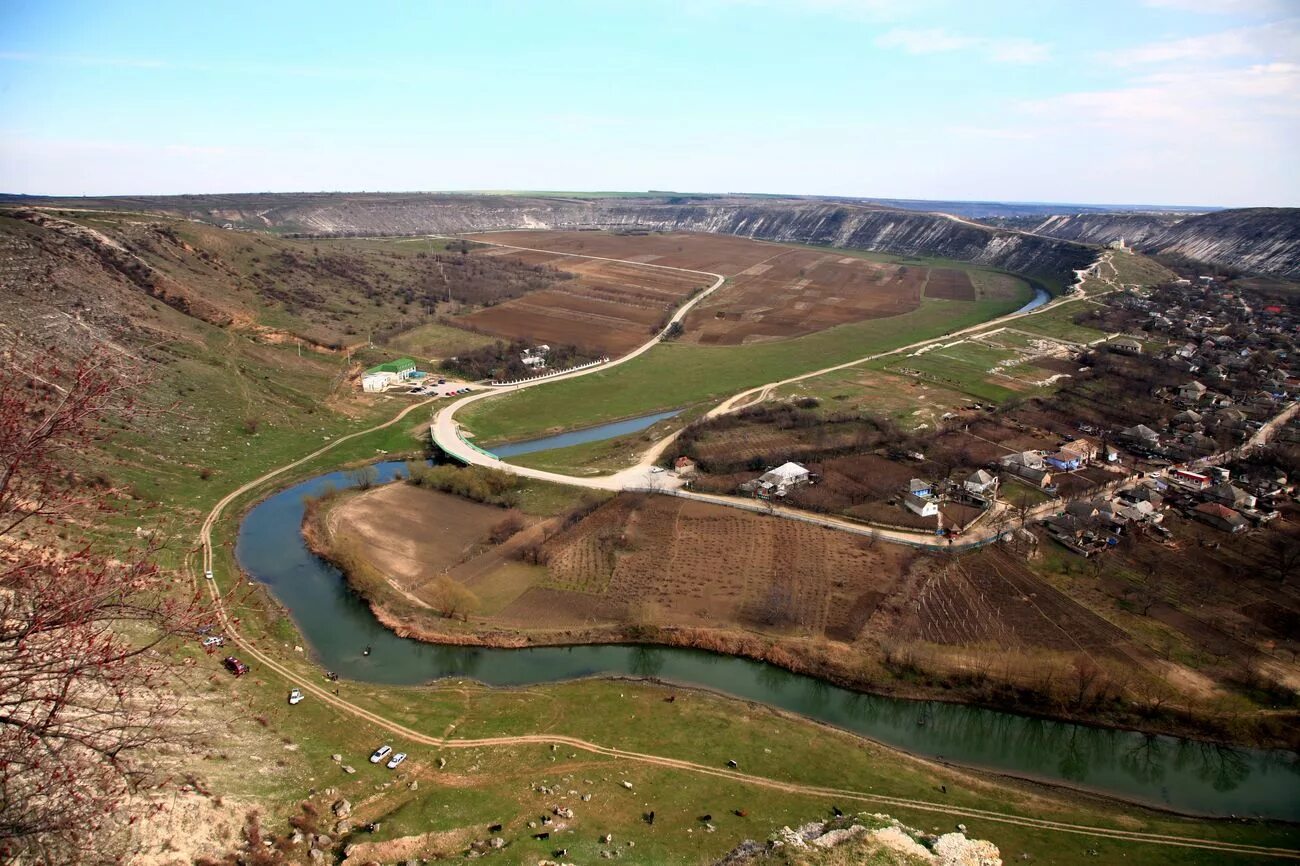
[{"x": 1256, "y": 240}]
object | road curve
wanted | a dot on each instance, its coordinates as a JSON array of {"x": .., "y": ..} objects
[
  {"x": 249, "y": 649},
  {"x": 445, "y": 432}
]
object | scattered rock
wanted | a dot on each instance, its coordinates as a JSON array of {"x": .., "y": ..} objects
[
  {"x": 835, "y": 837},
  {"x": 322, "y": 841},
  {"x": 297, "y": 838},
  {"x": 954, "y": 849},
  {"x": 316, "y": 855},
  {"x": 496, "y": 842},
  {"x": 342, "y": 809},
  {"x": 349, "y": 769},
  {"x": 442, "y": 762},
  {"x": 586, "y": 798},
  {"x": 563, "y": 812},
  {"x": 607, "y": 838},
  {"x": 414, "y": 786},
  {"x": 627, "y": 784},
  {"x": 336, "y": 758},
  {"x": 342, "y": 828}
]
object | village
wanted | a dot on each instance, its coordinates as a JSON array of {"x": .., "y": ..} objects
[{"x": 1185, "y": 414}]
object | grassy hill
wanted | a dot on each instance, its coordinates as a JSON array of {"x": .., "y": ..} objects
[{"x": 244, "y": 346}]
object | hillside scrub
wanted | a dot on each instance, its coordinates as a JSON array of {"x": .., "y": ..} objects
[{"x": 85, "y": 702}]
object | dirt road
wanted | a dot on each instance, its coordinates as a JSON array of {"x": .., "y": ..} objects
[{"x": 251, "y": 651}]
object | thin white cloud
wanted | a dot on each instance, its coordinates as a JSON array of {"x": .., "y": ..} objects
[
  {"x": 1236, "y": 110},
  {"x": 1225, "y": 7},
  {"x": 873, "y": 10},
  {"x": 1277, "y": 41},
  {"x": 939, "y": 41},
  {"x": 81, "y": 60}
]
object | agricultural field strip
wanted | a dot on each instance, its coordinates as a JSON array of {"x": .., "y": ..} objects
[
  {"x": 248, "y": 647},
  {"x": 446, "y": 433}
]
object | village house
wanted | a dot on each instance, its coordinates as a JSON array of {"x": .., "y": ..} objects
[
  {"x": 1142, "y": 435},
  {"x": 1125, "y": 346},
  {"x": 1074, "y": 533},
  {"x": 684, "y": 466},
  {"x": 1028, "y": 465},
  {"x": 1220, "y": 517},
  {"x": 1230, "y": 495},
  {"x": 782, "y": 479},
  {"x": 535, "y": 358},
  {"x": 1193, "y": 391},
  {"x": 1072, "y": 455},
  {"x": 982, "y": 484},
  {"x": 920, "y": 498},
  {"x": 1139, "y": 512},
  {"x": 1188, "y": 479}
]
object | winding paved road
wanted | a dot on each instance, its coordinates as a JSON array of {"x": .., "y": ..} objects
[
  {"x": 251, "y": 651},
  {"x": 447, "y": 434}
]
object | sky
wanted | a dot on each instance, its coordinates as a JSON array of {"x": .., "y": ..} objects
[{"x": 1177, "y": 102}]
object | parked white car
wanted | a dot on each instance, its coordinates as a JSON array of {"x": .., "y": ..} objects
[
  {"x": 215, "y": 640},
  {"x": 295, "y": 696},
  {"x": 396, "y": 759},
  {"x": 208, "y": 574},
  {"x": 380, "y": 753}
]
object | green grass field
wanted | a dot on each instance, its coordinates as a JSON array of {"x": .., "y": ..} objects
[
  {"x": 964, "y": 367},
  {"x": 676, "y": 375},
  {"x": 435, "y": 340},
  {"x": 1058, "y": 322}
]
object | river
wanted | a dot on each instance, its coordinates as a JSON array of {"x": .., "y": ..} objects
[
  {"x": 580, "y": 437},
  {"x": 1040, "y": 297},
  {"x": 1163, "y": 771}
]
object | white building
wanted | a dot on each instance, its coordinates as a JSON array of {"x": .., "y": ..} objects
[{"x": 782, "y": 478}]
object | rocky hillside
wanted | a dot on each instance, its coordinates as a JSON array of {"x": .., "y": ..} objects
[
  {"x": 794, "y": 220},
  {"x": 1255, "y": 240},
  {"x": 864, "y": 838}
]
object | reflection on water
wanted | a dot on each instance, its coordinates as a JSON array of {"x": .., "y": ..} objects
[
  {"x": 580, "y": 437},
  {"x": 1040, "y": 297},
  {"x": 1177, "y": 773}
]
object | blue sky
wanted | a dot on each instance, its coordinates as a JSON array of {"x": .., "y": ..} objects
[{"x": 1149, "y": 101}]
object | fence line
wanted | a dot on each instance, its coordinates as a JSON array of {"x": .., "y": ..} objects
[{"x": 551, "y": 373}]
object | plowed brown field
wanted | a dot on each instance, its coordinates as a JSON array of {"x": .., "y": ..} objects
[
  {"x": 610, "y": 307},
  {"x": 772, "y": 292},
  {"x": 678, "y": 562}
]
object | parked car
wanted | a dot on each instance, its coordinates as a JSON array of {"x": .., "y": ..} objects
[
  {"x": 208, "y": 574},
  {"x": 235, "y": 666},
  {"x": 655, "y": 470},
  {"x": 442, "y": 381},
  {"x": 395, "y": 760},
  {"x": 295, "y": 696},
  {"x": 380, "y": 753},
  {"x": 215, "y": 640}
]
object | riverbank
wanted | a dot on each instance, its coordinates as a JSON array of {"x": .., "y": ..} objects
[{"x": 889, "y": 671}]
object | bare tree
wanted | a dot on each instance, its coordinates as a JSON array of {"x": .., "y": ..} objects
[
  {"x": 364, "y": 477},
  {"x": 80, "y": 703}
]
